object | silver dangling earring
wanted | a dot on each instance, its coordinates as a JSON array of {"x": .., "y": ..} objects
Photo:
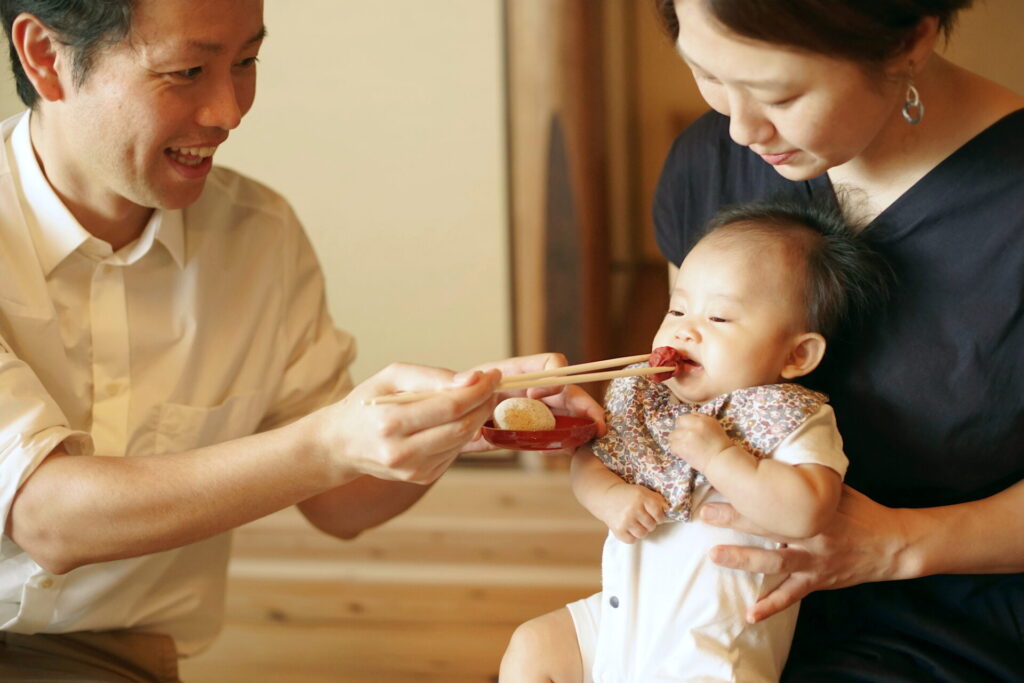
[{"x": 913, "y": 108}]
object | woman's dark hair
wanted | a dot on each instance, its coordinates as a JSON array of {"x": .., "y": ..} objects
[
  {"x": 84, "y": 26},
  {"x": 846, "y": 279},
  {"x": 869, "y": 32}
]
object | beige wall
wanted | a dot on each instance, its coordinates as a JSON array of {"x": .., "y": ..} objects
[
  {"x": 383, "y": 123},
  {"x": 988, "y": 39}
]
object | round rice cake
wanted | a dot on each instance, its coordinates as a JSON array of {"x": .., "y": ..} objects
[{"x": 523, "y": 414}]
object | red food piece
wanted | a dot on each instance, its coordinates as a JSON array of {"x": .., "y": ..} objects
[{"x": 664, "y": 356}]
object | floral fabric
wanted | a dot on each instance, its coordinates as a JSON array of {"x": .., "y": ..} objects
[{"x": 642, "y": 413}]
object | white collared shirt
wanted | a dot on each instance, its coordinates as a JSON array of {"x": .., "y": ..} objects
[{"x": 212, "y": 325}]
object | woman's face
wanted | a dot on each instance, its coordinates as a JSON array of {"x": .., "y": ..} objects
[{"x": 803, "y": 113}]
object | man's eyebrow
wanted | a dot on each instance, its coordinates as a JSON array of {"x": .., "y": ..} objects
[{"x": 217, "y": 48}]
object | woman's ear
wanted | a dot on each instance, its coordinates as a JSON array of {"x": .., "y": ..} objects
[
  {"x": 37, "y": 48},
  {"x": 920, "y": 45},
  {"x": 807, "y": 352}
]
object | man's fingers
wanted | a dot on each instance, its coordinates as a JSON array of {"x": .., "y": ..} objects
[
  {"x": 450, "y": 405},
  {"x": 443, "y": 435}
]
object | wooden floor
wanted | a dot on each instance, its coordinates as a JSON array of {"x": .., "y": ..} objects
[{"x": 431, "y": 596}]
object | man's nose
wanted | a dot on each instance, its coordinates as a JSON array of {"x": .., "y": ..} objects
[{"x": 221, "y": 107}]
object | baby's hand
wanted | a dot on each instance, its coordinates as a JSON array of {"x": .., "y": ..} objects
[
  {"x": 698, "y": 438},
  {"x": 631, "y": 511}
]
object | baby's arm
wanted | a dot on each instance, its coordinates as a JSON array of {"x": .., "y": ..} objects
[
  {"x": 790, "y": 500},
  {"x": 630, "y": 511}
]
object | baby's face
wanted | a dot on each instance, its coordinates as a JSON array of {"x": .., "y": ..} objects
[{"x": 735, "y": 313}]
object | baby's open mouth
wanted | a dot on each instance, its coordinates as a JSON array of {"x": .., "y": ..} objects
[{"x": 670, "y": 357}]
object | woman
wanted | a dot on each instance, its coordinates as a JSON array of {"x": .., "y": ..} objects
[{"x": 928, "y": 547}]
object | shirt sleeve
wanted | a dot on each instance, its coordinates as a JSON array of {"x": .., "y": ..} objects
[
  {"x": 319, "y": 355},
  {"x": 815, "y": 442},
  {"x": 31, "y": 426}
]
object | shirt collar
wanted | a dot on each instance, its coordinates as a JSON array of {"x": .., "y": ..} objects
[{"x": 57, "y": 234}]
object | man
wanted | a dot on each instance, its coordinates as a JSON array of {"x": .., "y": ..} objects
[{"x": 154, "y": 305}]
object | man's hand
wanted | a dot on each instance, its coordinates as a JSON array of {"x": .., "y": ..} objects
[{"x": 412, "y": 442}]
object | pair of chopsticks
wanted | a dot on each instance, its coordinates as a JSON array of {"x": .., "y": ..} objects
[{"x": 547, "y": 378}]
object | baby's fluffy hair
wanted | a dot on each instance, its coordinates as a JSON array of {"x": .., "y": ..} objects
[{"x": 846, "y": 279}]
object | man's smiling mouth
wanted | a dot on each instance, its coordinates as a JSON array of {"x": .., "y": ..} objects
[{"x": 190, "y": 156}]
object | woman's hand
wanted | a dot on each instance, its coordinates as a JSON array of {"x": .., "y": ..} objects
[
  {"x": 865, "y": 542},
  {"x": 568, "y": 400}
]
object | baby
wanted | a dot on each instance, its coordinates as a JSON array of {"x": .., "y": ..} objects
[{"x": 751, "y": 309}]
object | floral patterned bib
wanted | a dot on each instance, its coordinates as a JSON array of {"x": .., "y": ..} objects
[{"x": 642, "y": 413}]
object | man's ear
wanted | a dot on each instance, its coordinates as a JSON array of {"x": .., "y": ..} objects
[
  {"x": 38, "y": 50},
  {"x": 807, "y": 352}
]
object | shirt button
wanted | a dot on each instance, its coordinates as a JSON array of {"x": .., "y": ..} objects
[
  {"x": 613, "y": 601},
  {"x": 46, "y": 583}
]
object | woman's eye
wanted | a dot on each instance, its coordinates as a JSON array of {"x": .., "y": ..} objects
[{"x": 782, "y": 103}]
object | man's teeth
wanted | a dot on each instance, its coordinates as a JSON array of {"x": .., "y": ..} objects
[{"x": 191, "y": 156}]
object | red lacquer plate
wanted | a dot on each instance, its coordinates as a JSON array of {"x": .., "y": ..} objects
[{"x": 569, "y": 432}]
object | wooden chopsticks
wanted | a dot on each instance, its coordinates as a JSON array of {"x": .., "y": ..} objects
[{"x": 547, "y": 378}]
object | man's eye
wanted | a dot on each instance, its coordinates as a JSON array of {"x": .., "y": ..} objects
[
  {"x": 189, "y": 74},
  {"x": 248, "y": 62}
]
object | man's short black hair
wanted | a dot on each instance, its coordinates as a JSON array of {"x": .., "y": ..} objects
[
  {"x": 84, "y": 26},
  {"x": 846, "y": 279}
]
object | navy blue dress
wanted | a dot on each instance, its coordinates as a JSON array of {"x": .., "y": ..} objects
[{"x": 929, "y": 398}]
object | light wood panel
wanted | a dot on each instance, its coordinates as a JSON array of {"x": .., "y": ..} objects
[{"x": 431, "y": 596}]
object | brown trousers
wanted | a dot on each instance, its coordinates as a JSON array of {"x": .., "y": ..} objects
[{"x": 88, "y": 657}]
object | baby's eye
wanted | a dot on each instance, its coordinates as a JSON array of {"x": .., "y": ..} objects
[
  {"x": 716, "y": 319},
  {"x": 672, "y": 313}
]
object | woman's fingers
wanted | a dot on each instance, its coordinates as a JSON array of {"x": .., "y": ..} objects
[
  {"x": 794, "y": 589},
  {"x": 725, "y": 515},
  {"x": 761, "y": 560}
]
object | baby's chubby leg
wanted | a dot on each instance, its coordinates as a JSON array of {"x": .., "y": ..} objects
[{"x": 543, "y": 650}]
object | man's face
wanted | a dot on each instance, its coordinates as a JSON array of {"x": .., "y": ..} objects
[{"x": 143, "y": 127}]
